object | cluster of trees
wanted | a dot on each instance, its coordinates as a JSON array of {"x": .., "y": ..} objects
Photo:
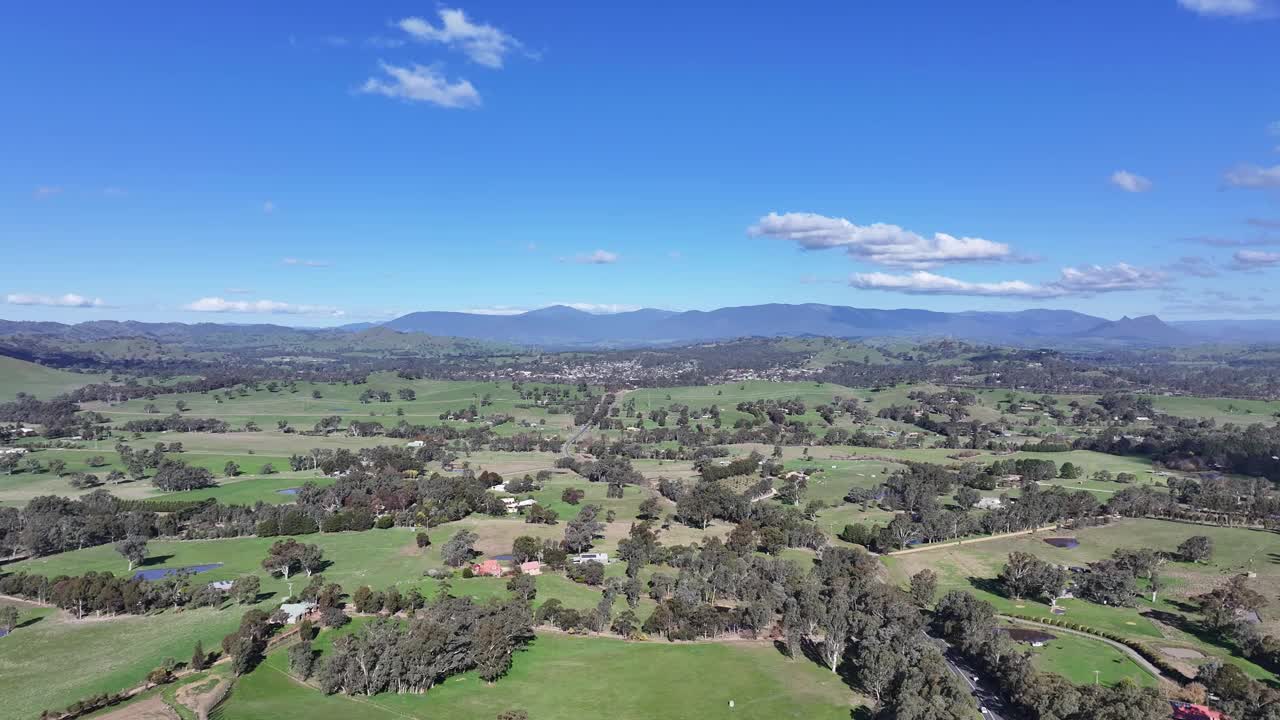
[
  {"x": 50, "y": 524},
  {"x": 59, "y": 416},
  {"x": 970, "y": 626},
  {"x": 446, "y": 637},
  {"x": 102, "y": 593},
  {"x": 176, "y": 422}
]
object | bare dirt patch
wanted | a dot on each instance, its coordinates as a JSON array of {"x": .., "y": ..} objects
[
  {"x": 1182, "y": 653},
  {"x": 153, "y": 708}
]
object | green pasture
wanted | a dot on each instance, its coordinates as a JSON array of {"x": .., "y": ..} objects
[{"x": 568, "y": 677}]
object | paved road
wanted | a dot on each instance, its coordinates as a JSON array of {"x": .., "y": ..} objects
[
  {"x": 984, "y": 691},
  {"x": 564, "y": 449}
]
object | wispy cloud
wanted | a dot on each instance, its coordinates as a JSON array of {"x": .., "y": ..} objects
[
  {"x": 1220, "y": 303},
  {"x": 599, "y": 257},
  {"x": 268, "y": 207},
  {"x": 879, "y": 242},
  {"x": 1264, "y": 223},
  {"x": 496, "y": 310},
  {"x": 44, "y": 192},
  {"x": 1081, "y": 281},
  {"x": 262, "y": 307},
  {"x": 1227, "y": 8},
  {"x": 422, "y": 83},
  {"x": 1254, "y": 260},
  {"x": 1253, "y": 176},
  {"x": 383, "y": 43},
  {"x": 298, "y": 262},
  {"x": 484, "y": 44},
  {"x": 67, "y": 300},
  {"x": 1130, "y": 182},
  {"x": 1226, "y": 242},
  {"x": 593, "y": 308},
  {"x": 1194, "y": 266}
]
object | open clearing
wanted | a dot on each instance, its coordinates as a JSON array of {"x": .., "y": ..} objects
[{"x": 574, "y": 677}]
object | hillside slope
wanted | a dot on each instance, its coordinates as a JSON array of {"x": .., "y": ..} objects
[{"x": 20, "y": 376}]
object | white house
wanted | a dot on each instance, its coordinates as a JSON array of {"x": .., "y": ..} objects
[
  {"x": 294, "y": 611},
  {"x": 988, "y": 503},
  {"x": 582, "y": 558},
  {"x": 415, "y": 444}
]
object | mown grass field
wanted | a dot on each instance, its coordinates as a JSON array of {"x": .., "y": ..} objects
[
  {"x": 1076, "y": 658},
  {"x": 575, "y": 677}
]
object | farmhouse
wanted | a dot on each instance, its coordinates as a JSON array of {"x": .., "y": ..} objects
[
  {"x": 489, "y": 568},
  {"x": 533, "y": 567},
  {"x": 293, "y": 612}
]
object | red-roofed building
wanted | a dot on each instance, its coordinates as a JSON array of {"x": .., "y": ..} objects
[
  {"x": 1189, "y": 711},
  {"x": 533, "y": 567},
  {"x": 488, "y": 567}
]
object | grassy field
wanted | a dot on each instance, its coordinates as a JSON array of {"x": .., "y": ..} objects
[
  {"x": 1076, "y": 658},
  {"x": 973, "y": 567},
  {"x": 58, "y": 660},
  {"x": 20, "y": 376},
  {"x": 574, "y": 677},
  {"x": 1223, "y": 410},
  {"x": 378, "y": 558},
  {"x": 302, "y": 410},
  {"x": 19, "y": 487}
]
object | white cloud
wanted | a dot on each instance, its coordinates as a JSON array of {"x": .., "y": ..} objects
[
  {"x": 45, "y": 192},
  {"x": 1252, "y": 176},
  {"x": 1254, "y": 259},
  {"x": 420, "y": 83},
  {"x": 305, "y": 263},
  {"x": 1130, "y": 182},
  {"x": 599, "y": 308},
  {"x": 599, "y": 257},
  {"x": 1225, "y": 8},
  {"x": 1091, "y": 279},
  {"x": 1087, "y": 280},
  {"x": 266, "y": 307},
  {"x": 496, "y": 310},
  {"x": 483, "y": 44},
  {"x": 68, "y": 300},
  {"x": 922, "y": 282},
  {"x": 878, "y": 242}
]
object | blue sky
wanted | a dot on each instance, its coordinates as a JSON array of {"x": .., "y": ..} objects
[{"x": 342, "y": 162}]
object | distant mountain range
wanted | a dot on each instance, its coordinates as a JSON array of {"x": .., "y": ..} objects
[{"x": 565, "y": 327}]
